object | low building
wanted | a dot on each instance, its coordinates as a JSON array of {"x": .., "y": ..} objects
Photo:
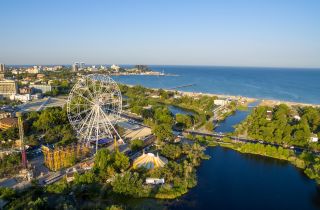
[
  {"x": 221, "y": 102},
  {"x": 115, "y": 67},
  {"x": 154, "y": 181},
  {"x": 19, "y": 97},
  {"x": 9, "y": 122},
  {"x": 297, "y": 117},
  {"x": 36, "y": 96},
  {"x": 41, "y": 88},
  {"x": 25, "y": 90},
  {"x": 40, "y": 76},
  {"x": 149, "y": 161},
  {"x": 314, "y": 138}
]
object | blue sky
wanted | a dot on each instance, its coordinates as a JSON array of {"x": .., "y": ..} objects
[{"x": 187, "y": 32}]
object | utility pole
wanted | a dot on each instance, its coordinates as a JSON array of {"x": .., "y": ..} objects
[{"x": 21, "y": 135}]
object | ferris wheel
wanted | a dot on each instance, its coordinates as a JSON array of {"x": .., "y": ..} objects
[{"x": 94, "y": 106}]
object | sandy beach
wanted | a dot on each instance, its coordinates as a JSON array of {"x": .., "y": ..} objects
[{"x": 264, "y": 102}]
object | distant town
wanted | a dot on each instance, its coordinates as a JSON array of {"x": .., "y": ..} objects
[{"x": 32, "y": 82}]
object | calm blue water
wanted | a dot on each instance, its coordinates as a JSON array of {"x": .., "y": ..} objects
[
  {"x": 231, "y": 180},
  {"x": 228, "y": 124},
  {"x": 300, "y": 85}
]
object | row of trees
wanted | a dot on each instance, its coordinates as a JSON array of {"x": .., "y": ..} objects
[{"x": 306, "y": 161}]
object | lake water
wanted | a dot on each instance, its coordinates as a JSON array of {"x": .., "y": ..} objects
[
  {"x": 177, "y": 110},
  {"x": 228, "y": 124},
  {"x": 231, "y": 180},
  {"x": 300, "y": 85}
]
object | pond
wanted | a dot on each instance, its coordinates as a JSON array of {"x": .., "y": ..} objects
[
  {"x": 178, "y": 110},
  {"x": 231, "y": 180}
]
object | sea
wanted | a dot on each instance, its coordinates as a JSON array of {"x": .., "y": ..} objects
[{"x": 285, "y": 84}]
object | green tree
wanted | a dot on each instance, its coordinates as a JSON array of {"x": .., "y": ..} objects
[
  {"x": 7, "y": 193},
  {"x": 171, "y": 151},
  {"x": 107, "y": 163},
  {"x": 136, "y": 144},
  {"x": 163, "y": 132},
  {"x": 128, "y": 184},
  {"x": 184, "y": 120}
]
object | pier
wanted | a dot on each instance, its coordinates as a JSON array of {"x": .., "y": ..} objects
[{"x": 183, "y": 86}]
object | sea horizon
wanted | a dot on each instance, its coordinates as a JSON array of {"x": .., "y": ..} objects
[{"x": 177, "y": 65}]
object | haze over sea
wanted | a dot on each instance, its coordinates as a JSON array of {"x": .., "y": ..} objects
[{"x": 287, "y": 84}]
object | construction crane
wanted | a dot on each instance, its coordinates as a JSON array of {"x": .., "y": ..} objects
[{"x": 21, "y": 135}]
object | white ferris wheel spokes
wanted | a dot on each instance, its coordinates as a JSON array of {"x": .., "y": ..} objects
[{"x": 94, "y": 106}]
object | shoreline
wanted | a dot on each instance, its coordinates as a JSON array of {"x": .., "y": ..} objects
[{"x": 264, "y": 101}]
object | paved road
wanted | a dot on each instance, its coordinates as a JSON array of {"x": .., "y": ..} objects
[{"x": 38, "y": 105}]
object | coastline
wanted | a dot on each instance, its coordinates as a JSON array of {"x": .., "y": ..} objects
[{"x": 263, "y": 101}]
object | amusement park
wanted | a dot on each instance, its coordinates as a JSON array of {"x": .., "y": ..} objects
[{"x": 94, "y": 112}]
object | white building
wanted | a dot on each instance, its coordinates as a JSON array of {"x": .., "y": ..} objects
[
  {"x": 115, "y": 67},
  {"x": 15, "y": 71},
  {"x": 221, "y": 102},
  {"x": 18, "y": 97},
  {"x": 314, "y": 138},
  {"x": 34, "y": 70},
  {"x": 154, "y": 181},
  {"x": 297, "y": 117}
]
